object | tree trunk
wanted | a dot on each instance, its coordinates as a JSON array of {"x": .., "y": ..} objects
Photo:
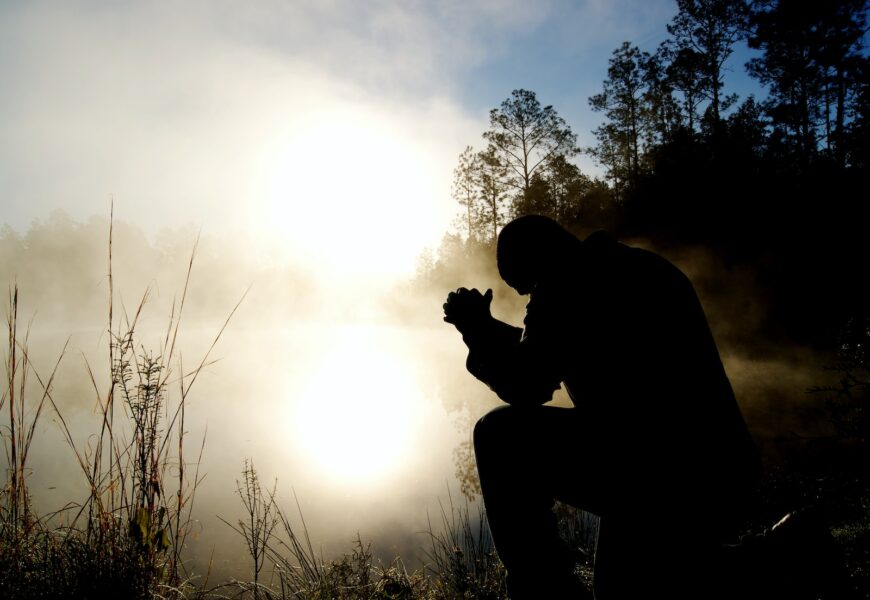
[
  {"x": 469, "y": 219},
  {"x": 633, "y": 158},
  {"x": 827, "y": 112},
  {"x": 494, "y": 219},
  {"x": 715, "y": 103},
  {"x": 841, "y": 102},
  {"x": 804, "y": 112},
  {"x": 526, "y": 177},
  {"x": 690, "y": 112}
]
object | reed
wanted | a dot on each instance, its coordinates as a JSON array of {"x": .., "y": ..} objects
[{"x": 126, "y": 537}]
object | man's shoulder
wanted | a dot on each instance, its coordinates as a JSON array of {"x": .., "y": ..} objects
[
  {"x": 600, "y": 240},
  {"x": 630, "y": 263},
  {"x": 603, "y": 253}
]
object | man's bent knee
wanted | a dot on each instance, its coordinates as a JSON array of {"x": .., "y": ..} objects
[{"x": 496, "y": 425}]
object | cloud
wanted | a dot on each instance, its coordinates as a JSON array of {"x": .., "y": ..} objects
[{"x": 174, "y": 108}]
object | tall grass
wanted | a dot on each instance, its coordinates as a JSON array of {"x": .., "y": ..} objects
[
  {"x": 298, "y": 571},
  {"x": 462, "y": 555},
  {"x": 19, "y": 527},
  {"x": 125, "y": 538},
  {"x": 261, "y": 518},
  {"x": 461, "y": 561}
]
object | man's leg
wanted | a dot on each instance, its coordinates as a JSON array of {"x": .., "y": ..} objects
[
  {"x": 651, "y": 553},
  {"x": 526, "y": 458}
]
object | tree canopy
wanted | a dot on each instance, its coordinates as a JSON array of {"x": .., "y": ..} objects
[
  {"x": 524, "y": 166},
  {"x": 772, "y": 181}
]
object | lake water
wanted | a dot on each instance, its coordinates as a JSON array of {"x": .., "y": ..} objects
[{"x": 358, "y": 422}]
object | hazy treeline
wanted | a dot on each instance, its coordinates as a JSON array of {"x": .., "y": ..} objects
[
  {"x": 770, "y": 192},
  {"x": 62, "y": 268}
]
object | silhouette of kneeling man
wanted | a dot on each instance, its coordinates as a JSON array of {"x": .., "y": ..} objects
[{"x": 655, "y": 443}]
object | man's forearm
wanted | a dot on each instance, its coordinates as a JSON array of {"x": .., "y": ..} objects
[
  {"x": 511, "y": 369},
  {"x": 488, "y": 341},
  {"x": 490, "y": 334}
]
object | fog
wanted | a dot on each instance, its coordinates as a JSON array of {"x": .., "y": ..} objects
[
  {"x": 315, "y": 380},
  {"x": 771, "y": 374},
  {"x": 350, "y": 392}
]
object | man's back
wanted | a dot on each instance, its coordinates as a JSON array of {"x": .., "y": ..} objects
[{"x": 636, "y": 354}]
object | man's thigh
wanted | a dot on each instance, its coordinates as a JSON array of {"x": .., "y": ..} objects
[{"x": 558, "y": 446}]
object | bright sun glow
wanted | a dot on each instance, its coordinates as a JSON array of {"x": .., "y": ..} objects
[
  {"x": 350, "y": 193},
  {"x": 355, "y": 418}
]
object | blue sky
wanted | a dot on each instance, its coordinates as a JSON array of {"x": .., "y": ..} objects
[
  {"x": 242, "y": 116},
  {"x": 564, "y": 59}
]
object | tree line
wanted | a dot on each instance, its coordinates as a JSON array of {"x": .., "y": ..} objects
[{"x": 778, "y": 181}]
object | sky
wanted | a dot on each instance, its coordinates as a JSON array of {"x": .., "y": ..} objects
[{"x": 286, "y": 123}]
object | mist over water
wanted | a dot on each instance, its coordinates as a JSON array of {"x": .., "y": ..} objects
[
  {"x": 366, "y": 464},
  {"x": 351, "y": 392},
  {"x": 357, "y": 465},
  {"x": 313, "y": 380}
]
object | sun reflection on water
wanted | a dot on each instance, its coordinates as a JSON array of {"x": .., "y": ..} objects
[{"x": 356, "y": 416}]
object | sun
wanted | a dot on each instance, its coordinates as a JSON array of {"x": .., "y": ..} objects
[
  {"x": 356, "y": 417},
  {"x": 351, "y": 194}
]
